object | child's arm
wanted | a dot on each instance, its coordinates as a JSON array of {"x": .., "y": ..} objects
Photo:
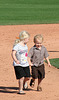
[
  {"x": 48, "y": 62},
  {"x": 14, "y": 57},
  {"x": 29, "y": 61}
]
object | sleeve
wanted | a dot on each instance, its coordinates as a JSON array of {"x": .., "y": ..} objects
[
  {"x": 30, "y": 53},
  {"x": 15, "y": 48},
  {"x": 46, "y": 53}
]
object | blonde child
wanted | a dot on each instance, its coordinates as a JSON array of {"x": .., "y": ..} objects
[
  {"x": 20, "y": 63},
  {"x": 36, "y": 57}
]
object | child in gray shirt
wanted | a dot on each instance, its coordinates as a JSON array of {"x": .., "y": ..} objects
[{"x": 36, "y": 57}]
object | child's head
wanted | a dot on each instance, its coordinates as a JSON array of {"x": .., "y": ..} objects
[
  {"x": 38, "y": 39},
  {"x": 23, "y": 35}
]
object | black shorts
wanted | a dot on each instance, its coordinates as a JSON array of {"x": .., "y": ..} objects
[
  {"x": 21, "y": 71},
  {"x": 38, "y": 72}
]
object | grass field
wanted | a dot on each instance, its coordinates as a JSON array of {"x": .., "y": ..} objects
[
  {"x": 14, "y": 12},
  {"x": 54, "y": 62},
  {"x": 29, "y": 11}
]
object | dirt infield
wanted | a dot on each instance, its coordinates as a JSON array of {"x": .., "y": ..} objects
[{"x": 8, "y": 82}]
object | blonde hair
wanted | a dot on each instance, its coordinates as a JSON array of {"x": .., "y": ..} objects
[
  {"x": 16, "y": 42},
  {"x": 38, "y": 37},
  {"x": 22, "y": 36}
]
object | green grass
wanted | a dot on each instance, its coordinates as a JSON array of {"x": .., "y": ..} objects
[
  {"x": 29, "y": 11},
  {"x": 54, "y": 62}
]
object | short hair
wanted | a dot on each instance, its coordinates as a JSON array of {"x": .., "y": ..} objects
[{"x": 39, "y": 37}]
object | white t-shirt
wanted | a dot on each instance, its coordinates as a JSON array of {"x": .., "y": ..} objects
[{"x": 21, "y": 55}]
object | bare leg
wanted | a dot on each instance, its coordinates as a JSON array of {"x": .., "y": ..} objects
[
  {"x": 21, "y": 84},
  {"x": 38, "y": 87},
  {"x": 39, "y": 81},
  {"x": 32, "y": 82},
  {"x": 25, "y": 79},
  {"x": 33, "y": 79},
  {"x": 25, "y": 83}
]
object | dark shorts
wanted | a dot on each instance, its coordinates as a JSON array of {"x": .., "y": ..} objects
[
  {"x": 22, "y": 71},
  {"x": 38, "y": 72}
]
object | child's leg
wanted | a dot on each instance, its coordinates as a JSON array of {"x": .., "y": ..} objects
[
  {"x": 38, "y": 87},
  {"x": 21, "y": 84},
  {"x": 25, "y": 79},
  {"x": 32, "y": 82},
  {"x": 33, "y": 79},
  {"x": 34, "y": 74},
  {"x": 25, "y": 86},
  {"x": 39, "y": 81}
]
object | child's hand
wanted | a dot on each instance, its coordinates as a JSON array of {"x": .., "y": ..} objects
[
  {"x": 31, "y": 64},
  {"x": 49, "y": 64},
  {"x": 17, "y": 62}
]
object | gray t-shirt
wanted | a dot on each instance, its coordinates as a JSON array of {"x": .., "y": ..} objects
[
  {"x": 37, "y": 56},
  {"x": 21, "y": 55}
]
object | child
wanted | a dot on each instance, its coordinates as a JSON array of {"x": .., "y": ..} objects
[
  {"x": 36, "y": 57},
  {"x": 20, "y": 63}
]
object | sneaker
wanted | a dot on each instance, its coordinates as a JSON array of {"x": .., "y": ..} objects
[
  {"x": 32, "y": 83},
  {"x": 39, "y": 88},
  {"x": 25, "y": 86},
  {"x": 21, "y": 92}
]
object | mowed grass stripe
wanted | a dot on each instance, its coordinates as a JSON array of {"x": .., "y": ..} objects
[{"x": 28, "y": 12}]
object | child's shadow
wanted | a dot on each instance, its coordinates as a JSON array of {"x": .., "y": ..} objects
[
  {"x": 29, "y": 89},
  {"x": 4, "y": 89}
]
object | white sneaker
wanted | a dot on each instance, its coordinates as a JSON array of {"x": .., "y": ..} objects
[
  {"x": 21, "y": 92},
  {"x": 25, "y": 86}
]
